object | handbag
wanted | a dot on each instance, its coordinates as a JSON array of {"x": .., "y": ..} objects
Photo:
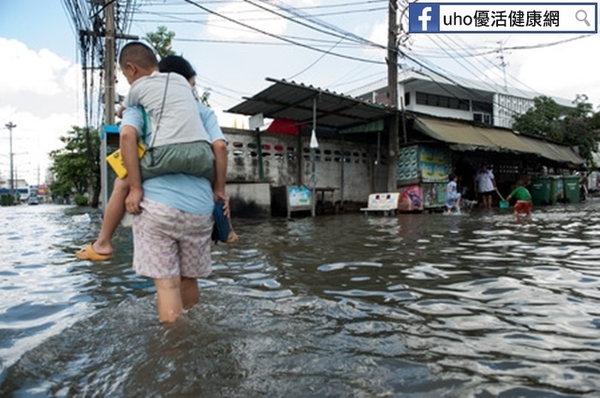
[{"x": 194, "y": 158}]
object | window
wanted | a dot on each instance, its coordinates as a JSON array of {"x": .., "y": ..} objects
[
  {"x": 442, "y": 101},
  {"x": 485, "y": 107},
  {"x": 480, "y": 117}
]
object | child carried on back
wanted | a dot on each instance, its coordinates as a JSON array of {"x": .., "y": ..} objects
[{"x": 178, "y": 143}]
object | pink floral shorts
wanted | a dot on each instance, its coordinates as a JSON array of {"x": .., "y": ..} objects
[{"x": 168, "y": 242}]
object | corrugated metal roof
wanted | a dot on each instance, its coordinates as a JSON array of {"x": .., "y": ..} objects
[
  {"x": 468, "y": 136},
  {"x": 555, "y": 152},
  {"x": 464, "y": 136},
  {"x": 292, "y": 101}
]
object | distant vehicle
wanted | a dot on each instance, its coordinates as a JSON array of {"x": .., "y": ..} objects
[{"x": 33, "y": 200}]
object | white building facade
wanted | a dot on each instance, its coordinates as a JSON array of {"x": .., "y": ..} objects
[{"x": 455, "y": 97}]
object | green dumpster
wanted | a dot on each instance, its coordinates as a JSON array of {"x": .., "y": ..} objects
[
  {"x": 540, "y": 191},
  {"x": 571, "y": 187}
]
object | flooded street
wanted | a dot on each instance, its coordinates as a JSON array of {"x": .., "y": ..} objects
[{"x": 419, "y": 305}]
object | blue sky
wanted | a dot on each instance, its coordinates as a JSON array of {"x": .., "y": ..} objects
[{"x": 40, "y": 79}]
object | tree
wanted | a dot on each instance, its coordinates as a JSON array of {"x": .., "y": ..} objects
[
  {"x": 576, "y": 126},
  {"x": 77, "y": 165},
  {"x": 543, "y": 120},
  {"x": 204, "y": 97},
  {"x": 160, "y": 41}
]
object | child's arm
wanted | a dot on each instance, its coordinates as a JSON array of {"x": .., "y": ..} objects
[{"x": 129, "y": 150}]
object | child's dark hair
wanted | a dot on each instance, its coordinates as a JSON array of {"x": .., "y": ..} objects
[
  {"x": 451, "y": 176},
  {"x": 177, "y": 64},
  {"x": 138, "y": 53}
]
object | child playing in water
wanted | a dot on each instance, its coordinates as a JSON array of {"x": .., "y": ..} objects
[
  {"x": 452, "y": 195},
  {"x": 523, "y": 197}
]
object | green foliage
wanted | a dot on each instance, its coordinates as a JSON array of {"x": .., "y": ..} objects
[
  {"x": 576, "y": 126},
  {"x": 543, "y": 120},
  {"x": 76, "y": 166},
  {"x": 203, "y": 98},
  {"x": 81, "y": 200},
  {"x": 160, "y": 41}
]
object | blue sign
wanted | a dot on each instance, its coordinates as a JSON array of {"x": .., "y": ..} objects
[
  {"x": 423, "y": 18},
  {"x": 491, "y": 17}
]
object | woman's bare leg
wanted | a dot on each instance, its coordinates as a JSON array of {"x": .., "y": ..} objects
[
  {"x": 190, "y": 295},
  {"x": 169, "y": 304}
]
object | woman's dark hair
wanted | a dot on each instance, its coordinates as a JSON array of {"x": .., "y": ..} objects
[
  {"x": 451, "y": 176},
  {"x": 177, "y": 64}
]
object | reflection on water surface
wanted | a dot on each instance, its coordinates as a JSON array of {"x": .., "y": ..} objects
[{"x": 415, "y": 305}]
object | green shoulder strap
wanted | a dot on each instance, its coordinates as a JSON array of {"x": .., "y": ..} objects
[{"x": 144, "y": 126}]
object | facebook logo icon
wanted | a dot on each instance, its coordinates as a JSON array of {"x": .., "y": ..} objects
[{"x": 423, "y": 18}]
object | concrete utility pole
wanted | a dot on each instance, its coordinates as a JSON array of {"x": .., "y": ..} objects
[
  {"x": 109, "y": 93},
  {"x": 109, "y": 83},
  {"x": 10, "y": 126},
  {"x": 392, "y": 62}
]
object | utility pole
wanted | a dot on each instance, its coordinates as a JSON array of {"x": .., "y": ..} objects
[
  {"x": 502, "y": 63},
  {"x": 392, "y": 63},
  {"x": 109, "y": 83},
  {"x": 10, "y": 126},
  {"x": 109, "y": 93}
]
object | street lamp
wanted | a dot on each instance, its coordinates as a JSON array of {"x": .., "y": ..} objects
[{"x": 11, "y": 126}]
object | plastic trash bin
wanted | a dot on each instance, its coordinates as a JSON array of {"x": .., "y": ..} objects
[
  {"x": 571, "y": 187},
  {"x": 540, "y": 191}
]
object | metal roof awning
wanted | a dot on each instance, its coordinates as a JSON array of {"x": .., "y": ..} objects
[
  {"x": 552, "y": 151},
  {"x": 292, "y": 101},
  {"x": 464, "y": 136}
]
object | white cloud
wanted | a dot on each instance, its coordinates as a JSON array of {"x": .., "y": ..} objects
[
  {"x": 245, "y": 14},
  {"x": 562, "y": 70},
  {"x": 32, "y": 139},
  {"x": 35, "y": 72},
  {"x": 40, "y": 96}
]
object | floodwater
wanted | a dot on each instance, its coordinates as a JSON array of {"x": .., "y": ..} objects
[{"x": 420, "y": 305}]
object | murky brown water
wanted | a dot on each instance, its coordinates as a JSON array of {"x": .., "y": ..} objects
[{"x": 476, "y": 305}]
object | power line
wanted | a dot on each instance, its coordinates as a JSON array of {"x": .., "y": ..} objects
[
  {"x": 332, "y": 30},
  {"x": 280, "y": 37}
]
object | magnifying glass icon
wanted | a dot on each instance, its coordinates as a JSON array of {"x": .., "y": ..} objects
[{"x": 581, "y": 16}]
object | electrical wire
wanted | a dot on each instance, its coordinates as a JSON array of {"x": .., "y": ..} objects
[{"x": 280, "y": 37}]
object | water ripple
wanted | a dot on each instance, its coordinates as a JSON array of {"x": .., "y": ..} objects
[{"x": 417, "y": 305}]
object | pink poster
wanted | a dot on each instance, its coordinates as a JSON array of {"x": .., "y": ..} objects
[{"x": 411, "y": 198}]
